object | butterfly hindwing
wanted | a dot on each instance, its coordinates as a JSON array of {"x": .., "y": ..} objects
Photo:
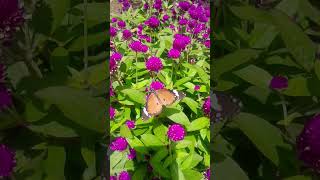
[
  {"x": 166, "y": 97},
  {"x": 224, "y": 106}
]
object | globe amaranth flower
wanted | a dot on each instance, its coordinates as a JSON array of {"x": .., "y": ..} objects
[
  {"x": 124, "y": 175},
  {"x": 119, "y": 144},
  {"x": 196, "y": 87},
  {"x": 126, "y": 34},
  {"x": 203, "y": 18},
  {"x": 132, "y": 154},
  {"x": 183, "y": 21},
  {"x": 176, "y": 132},
  {"x": 206, "y": 106},
  {"x": 153, "y": 22},
  {"x": 113, "y": 31},
  {"x": 174, "y": 53},
  {"x": 11, "y": 18},
  {"x": 113, "y": 177},
  {"x": 113, "y": 20},
  {"x": 112, "y": 65},
  {"x": 145, "y": 37},
  {"x": 278, "y": 82},
  {"x": 137, "y": 46},
  {"x": 207, "y": 174},
  {"x": 308, "y": 143},
  {"x": 165, "y": 18},
  {"x": 154, "y": 64},
  {"x": 7, "y": 161},
  {"x": 125, "y": 5},
  {"x": 112, "y": 112},
  {"x": 180, "y": 42},
  {"x": 207, "y": 43},
  {"x": 116, "y": 56},
  {"x": 146, "y": 6},
  {"x": 184, "y": 5},
  {"x": 121, "y": 24},
  {"x": 5, "y": 97},
  {"x": 192, "y": 23},
  {"x": 111, "y": 92},
  {"x": 130, "y": 124},
  {"x": 156, "y": 85},
  {"x": 157, "y": 5}
]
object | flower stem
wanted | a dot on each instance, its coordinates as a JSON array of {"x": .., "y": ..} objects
[
  {"x": 85, "y": 30},
  {"x": 136, "y": 67}
]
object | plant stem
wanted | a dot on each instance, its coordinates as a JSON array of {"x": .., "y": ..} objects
[
  {"x": 85, "y": 30},
  {"x": 136, "y": 67},
  {"x": 284, "y": 107}
]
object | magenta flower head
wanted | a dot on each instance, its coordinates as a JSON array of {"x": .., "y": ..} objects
[
  {"x": 116, "y": 56},
  {"x": 308, "y": 143},
  {"x": 207, "y": 43},
  {"x": 207, "y": 174},
  {"x": 146, "y": 6},
  {"x": 8, "y": 162},
  {"x": 126, "y": 34},
  {"x": 111, "y": 92},
  {"x": 137, "y": 46},
  {"x": 119, "y": 144},
  {"x": 165, "y": 18},
  {"x": 196, "y": 87},
  {"x": 278, "y": 82},
  {"x": 184, "y": 5},
  {"x": 174, "y": 54},
  {"x": 132, "y": 154},
  {"x": 176, "y": 132},
  {"x": 5, "y": 97},
  {"x": 153, "y": 22},
  {"x": 11, "y": 18},
  {"x": 112, "y": 112},
  {"x": 113, "y": 31},
  {"x": 113, "y": 177},
  {"x": 156, "y": 85},
  {"x": 181, "y": 41},
  {"x": 154, "y": 64},
  {"x": 192, "y": 23},
  {"x": 183, "y": 21},
  {"x": 121, "y": 24},
  {"x": 206, "y": 106},
  {"x": 124, "y": 175},
  {"x": 112, "y": 65},
  {"x": 113, "y": 20},
  {"x": 130, "y": 124}
]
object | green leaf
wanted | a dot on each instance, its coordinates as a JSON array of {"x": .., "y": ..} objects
[
  {"x": 266, "y": 137},
  {"x": 96, "y": 12},
  {"x": 251, "y": 13},
  {"x": 17, "y": 72},
  {"x": 183, "y": 144},
  {"x": 84, "y": 110},
  {"x": 297, "y": 87},
  {"x": 135, "y": 95},
  {"x": 160, "y": 155},
  {"x": 300, "y": 177},
  {"x": 89, "y": 156},
  {"x": 140, "y": 173},
  {"x": 115, "y": 158},
  {"x": 202, "y": 74},
  {"x": 125, "y": 131},
  {"x": 151, "y": 141},
  {"x": 32, "y": 113},
  {"x": 229, "y": 169},
  {"x": 192, "y": 161},
  {"x": 59, "y": 9},
  {"x": 54, "y": 129},
  {"x": 192, "y": 104},
  {"x": 255, "y": 75},
  {"x": 182, "y": 81},
  {"x": 317, "y": 69},
  {"x": 260, "y": 94},
  {"x": 177, "y": 116},
  {"x": 93, "y": 40},
  {"x": 161, "y": 132},
  {"x": 191, "y": 174},
  {"x": 55, "y": 162},
  {"x": 198, "y": 124},
  {"x": 137, "y": 145}
]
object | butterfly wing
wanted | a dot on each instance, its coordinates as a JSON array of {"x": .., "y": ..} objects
[
  {"x": 168, "y": 97},
  {"x": 153, "y": 107},
  {"x": 224, "y": 106}
]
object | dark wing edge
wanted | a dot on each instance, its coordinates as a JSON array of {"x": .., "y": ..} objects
[{"x": 178, "y": 94}]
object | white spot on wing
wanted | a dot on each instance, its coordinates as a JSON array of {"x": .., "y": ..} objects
[
  {"x": 146, "y": 112},
  {"x": 176, "y": 93}
]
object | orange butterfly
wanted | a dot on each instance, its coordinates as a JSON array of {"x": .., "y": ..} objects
[{"x": 159, "y": 98}]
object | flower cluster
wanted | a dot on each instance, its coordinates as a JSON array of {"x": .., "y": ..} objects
[
  {"x": 137, "y": 46},
  {"x": 154, "y": 64},
  {"x": 119, "y": 144},
  {"x": 176, "y": 132},
  {"x": 8, "y": 162},
  {"x": 206, "y": 106}
]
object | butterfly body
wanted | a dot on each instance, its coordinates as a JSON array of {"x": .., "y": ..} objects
[{"x": 158, "y": 99}]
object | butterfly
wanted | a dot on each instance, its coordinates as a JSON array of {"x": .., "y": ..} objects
[
  {"x": 157, "y": 99},
  {"x": 224, "y": 106}
]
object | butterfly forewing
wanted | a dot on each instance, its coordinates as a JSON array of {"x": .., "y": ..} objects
[
  {"x": 166, "y": 97},
  {"x": 154, "y": 106}
]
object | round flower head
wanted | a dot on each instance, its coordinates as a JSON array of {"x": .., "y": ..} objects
[
  {"x": 112, "y": 112},
  {"x": 113, "y": 177},
  {"x": 176, "y": 132},
  {"x": 207, "y": 43},
  {"x": 8, "y": 162},
  {"x": 278, "y": 82},
  {"x": 156, "y": 85},
  {"x": 146, "y": 6},
  {"x": 154, "y": 64},
  {"x": 126, "y": 5},
  {"x": 116, "y": 56},
  {"x": 183, "y": 21},
  {"x": 119, "y": 144},
  {"x": 308, "y": 143},
  {"x": 171, "y": 26},
  {"x": 144, "y": 48},
  {"x": 113, "y": 31},
  {"x": 196, "y": 87},
  {"x": 207, "y": 174},
  {"x": 112, "y": 65},
  {"x": 121, "y": 24},
  {"x": 192, "y": 23},
  {"x": 130, "y": 124},
  {"x": 174, "y": 53},
  {"x": 206, "y": 106},
  {"x": 124, "y": 175},
  {"x": 132, "y": 154},
  {"x": 184, "y": 5},
  {"x": 137, "y": 46},
  {"x": 153, "y": 22},
  {"x": 180, "y": 42},
  {"x": 203, "y": 18},
  {"x": 126, "y": 34},
  {"x": 165, "y": 18},
  {"x": 113, "y": 20},
  {"x": 5, "y": 97},
  {"x": 11, "y": 17}
]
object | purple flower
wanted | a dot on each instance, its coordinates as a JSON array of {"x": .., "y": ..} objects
[
  {"x": 113, "y": 31},
  {"x": 132, "y": 154},
  {"x": 8, "y": 162},
  {"x": 146, "y": 6},
  {"x": 183, "y": 21},
  {"x": 174, "y": 53},
  {"x": 126, "y": 34},
  {"x": 203, "y": 18},
  {"x": 181, "y": 41},
  {"x": 116, "y": 56},
  {"x": 5, "y": 97},
  {"x": 124, "y": 175},
  {"x": 165, "y": 18},
  {"x": 156, "y": 85},
  {"x": 11, "y": 18},
  {"x": 206, "y": 106},
  {"x": 119, "y": 144},
  {"x": 153, "y": 22},
  {"x": 112, "y": 65},
  {"x": 278, "y": 82},
  {"x": 176, "y": 132},
  {"x": 196, "y": 87},
  {"x": 130, "y": 124},
  {"x": 205, "y": 36},
  {"x": 113, "y": 20},
  {"x": 192, "y": 23},
  {"x": 146, "y": 37},
  {"x": 207, "y": 43},
  {"x": 308, "y": 143},
  {"x": 137, "y": 46},
  {"x": 126, "y": 5},
  {"x": 111, "y": 92},
  {"x": 207, "y": 174},
  {"x": 154, "y": 64},
  {"x": 112, "y": 112},
  {"x": 121, "y": 24},
  {"x": 171, "y": 26},
  {"x": 144, "y": 48},
  {"x": 113, "y": 177},
  {"x": 184, "y": 5}
]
